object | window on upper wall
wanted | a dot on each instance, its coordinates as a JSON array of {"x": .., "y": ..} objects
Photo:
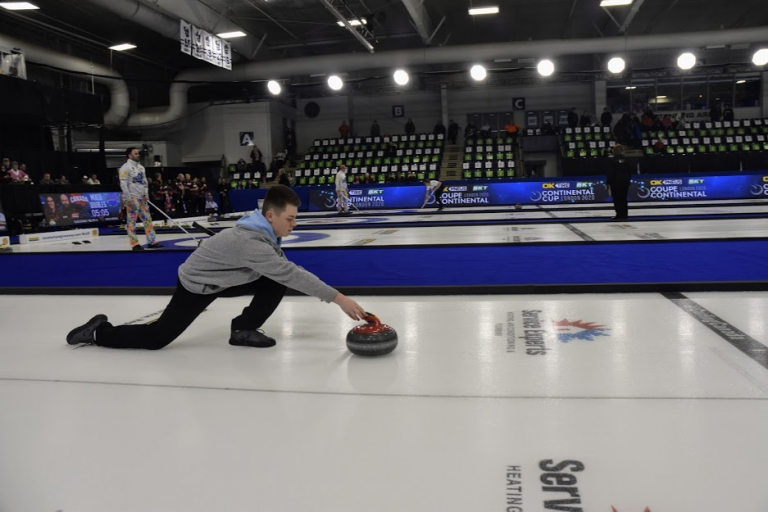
[
  {"x": 720, "y": 91},
  {"x": 694, "y": 93},
  {"x": 643, "y": 95},
  {"x": 617, "y": 96},
  {"x": 668, "y": 94},
  {"x": 747, "y": 91}
]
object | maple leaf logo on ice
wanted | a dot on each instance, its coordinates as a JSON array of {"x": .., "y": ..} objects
[{"x": 578, "y": 330}]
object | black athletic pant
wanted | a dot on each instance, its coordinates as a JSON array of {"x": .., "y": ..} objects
[
  {"x": 184, "y": 307},
  {"x": 438, "y": 194},
  {"x": 620, "y": 192}
]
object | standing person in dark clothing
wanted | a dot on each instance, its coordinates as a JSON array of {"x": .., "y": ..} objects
[
  {"x": 453, "y": 131},
  {"x": 375, "y": 129},
  {"x": 586, "y": 119},
  {"x": 619, "y": 177},
  {"x": 728, "y": 114},
  {"x": 573, "y": 118},
  {"x": 715, "y": 114},
  {"x": 606, "y": 118},
  {"x": 439, "y": 128},
  {"x": 410, "y": 128},
  {"x": 621, "y": 130}
]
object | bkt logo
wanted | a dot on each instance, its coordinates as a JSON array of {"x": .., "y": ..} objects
[
  {"x": 479, "y": 188},
  {"x": 698, "y": 181},
  {"x": 656, "y": 183},
  {"x": 456, "y": 189},
  {"x": 355, "y": 192},
  {"x": 584, "y": 184},
  {"x": 375, "y": 191}
]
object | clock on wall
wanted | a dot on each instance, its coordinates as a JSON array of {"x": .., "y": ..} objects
[{"x": 311, "y": 109}]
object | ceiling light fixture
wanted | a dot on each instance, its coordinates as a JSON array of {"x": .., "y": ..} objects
[
  {"x": 401, "y": 77},
  {"x": 741, "y": 81},
  {"x": 230, "y": 35},
  {"x": 686, "y": 61},
  {"x": 484, "y": 10},
  {"x": 122, "y": 47},
  {"x": 545, "y": 67},
  {"x": 354, "y": 23},
  {"x": 18, "y": 6},
  {"x": 478, "y": 72},
  {"x": 335, "y": 83},
  {"x": 614, "y": 3},
  {"x": 616, "y": 65},
  {"x": 760, "y": 58},
  {"x": 631, "y": 87},
  {"x": 661, "y": 97},
  {"x": 274, "y": 87}
]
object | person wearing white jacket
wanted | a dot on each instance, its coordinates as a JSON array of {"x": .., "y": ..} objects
[{"x": 133, "y": 183}]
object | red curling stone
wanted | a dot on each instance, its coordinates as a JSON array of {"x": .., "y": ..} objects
[{"x": 371, "y": 339}]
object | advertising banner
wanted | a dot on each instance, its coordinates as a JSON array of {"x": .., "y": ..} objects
[{"x": 589, "y": 189}]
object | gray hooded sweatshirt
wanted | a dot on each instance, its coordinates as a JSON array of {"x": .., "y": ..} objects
[{"x": 243, "y": 254}]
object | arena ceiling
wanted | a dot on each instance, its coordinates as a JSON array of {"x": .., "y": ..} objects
[
  {"x": 286, "y": 29},
  {"x": 295, "y": 28}
]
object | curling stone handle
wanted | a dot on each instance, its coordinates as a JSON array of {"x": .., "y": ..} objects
[{"x": 371, "y": 318}]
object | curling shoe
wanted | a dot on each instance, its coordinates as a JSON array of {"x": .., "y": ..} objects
[{"x": 255, "y": 338}]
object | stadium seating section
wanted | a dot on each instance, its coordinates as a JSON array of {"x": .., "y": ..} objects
[
  {"x": 698, "y": 138},
  {"x": 488, "y": 158},
  {"x": 382, "y": 157}
]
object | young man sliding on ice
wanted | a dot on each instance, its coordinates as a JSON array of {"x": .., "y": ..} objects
[{"x": 244, "y": 260}]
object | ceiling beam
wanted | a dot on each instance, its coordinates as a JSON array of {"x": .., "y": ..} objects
[
  {"x": 253, "y": 4},
  {"x": 429, "y": 41},
  {"x": 421, "y": 21},
  {"x": 326, "y": 42},
  {"x": 328, "y": 5},
  {"x": 631, "y": 16},
  {"x": 649, "y": 28},
  {"x": 611, "y": 16},
  {"x": 568, "y": 19}
]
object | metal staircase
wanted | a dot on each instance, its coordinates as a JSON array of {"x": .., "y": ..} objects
[{"x": 450, "y": 168}]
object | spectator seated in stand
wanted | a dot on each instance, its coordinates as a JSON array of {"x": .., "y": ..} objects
[
  {"x": 46, "y": 180},
  {"x": 16, "y": 175},
  {"x": 94, "y": 180},
  {"x": 62, "y": 180},
  {"x": 283, "y": 179}
]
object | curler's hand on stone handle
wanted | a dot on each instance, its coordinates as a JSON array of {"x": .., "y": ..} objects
[{"x": 351, "y": 308}]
